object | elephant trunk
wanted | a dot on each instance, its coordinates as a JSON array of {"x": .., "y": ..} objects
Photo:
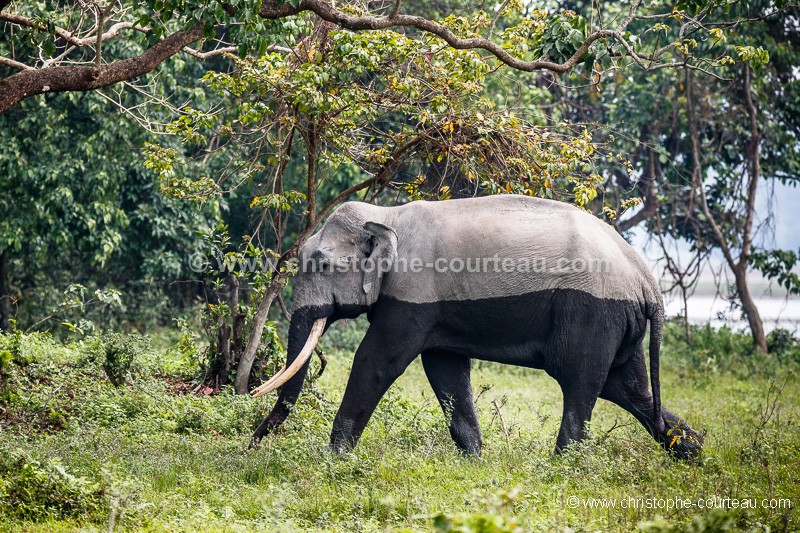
[{"x": 304, "y": 333}]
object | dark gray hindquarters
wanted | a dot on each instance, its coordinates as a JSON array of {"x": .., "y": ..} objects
[
  {"x": 592, "y": 347},
  {"x": 572, "y": 335}
]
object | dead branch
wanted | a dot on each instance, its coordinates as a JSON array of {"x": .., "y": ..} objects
[
  {"x": 500, "y": 417},
  {"x": 69, "y": 36}
]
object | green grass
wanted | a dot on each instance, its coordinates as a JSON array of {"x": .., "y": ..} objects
[{"x": 73, "y": 447}]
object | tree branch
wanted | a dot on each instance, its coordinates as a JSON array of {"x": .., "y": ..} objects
[
  {"x": 22, "y": 85},
  {"x": 496, "y": 16},
  {"x": 271, "y": 9},
  {"x": 14, "y": 64},
  {"x": 211, "y": 53},
  {"x": 697, "y": 174},
  {"x": 651, "y": 202},
  {"x": 755, "y": 168},
  {"x": 68, "y": 36},
  {"x": 101, "y": 20},
  {"x": 17, "y": 87}
]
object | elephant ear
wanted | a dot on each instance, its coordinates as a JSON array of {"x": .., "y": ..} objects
[{"x": 381, "y": 253}]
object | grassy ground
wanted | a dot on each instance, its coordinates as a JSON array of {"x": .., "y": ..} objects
[{"x": 77, "y": 452}]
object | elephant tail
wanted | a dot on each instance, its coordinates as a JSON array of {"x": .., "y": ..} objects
[{"x": 656, "y": 317}]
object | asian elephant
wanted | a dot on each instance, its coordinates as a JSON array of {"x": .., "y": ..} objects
[{"x": 511, "y": 279}]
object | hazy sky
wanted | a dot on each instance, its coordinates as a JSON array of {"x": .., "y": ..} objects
[
  {"x": 786, "y": 207},
  {"x": 783, "y": 232}
]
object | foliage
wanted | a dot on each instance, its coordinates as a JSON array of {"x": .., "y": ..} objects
[
  {"x": 700, "y": 151},
  {"x": 527, "y": 31},
  {"x": 477, "y": 523},
  {"x": 235, "y": 281},
  {"x": 714, "y": 350},
  {"x": 411, "y": 105},
  {"x": 74, "y": 304},
  {"x": 778, "y": 264},
  {"x": 641, "y": 123},
  {"x": 79, "y": 205},
  {"x": 783, "y": 345}
]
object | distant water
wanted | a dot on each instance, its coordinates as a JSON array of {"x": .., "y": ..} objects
[{"x": 775, "y": 312}]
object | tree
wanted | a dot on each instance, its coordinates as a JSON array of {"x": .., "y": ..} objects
[
  {"x": 58, "y": 47},
  {"x": 78, "y": 206},
  {"x": 368, "y": 113},
  {"x": 701, "y": 152}
]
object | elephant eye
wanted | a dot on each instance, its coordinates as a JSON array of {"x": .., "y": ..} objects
[{"x": 320, "y": 263}]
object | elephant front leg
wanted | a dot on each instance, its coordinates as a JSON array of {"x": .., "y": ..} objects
[
  {"x": 448, "y": 374},
  {"x": 379, "y": 361}
]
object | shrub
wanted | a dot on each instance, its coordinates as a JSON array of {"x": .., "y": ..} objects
[
  {"x": 713, "y": 350},
  {"x": 190, "y": 421},
  {"x": 6, "y": 360},
  {"x": 33, "y": 490},
  {"x": 346, "y": 335},
  {"x": 782, "y": 344},
  {"x": 116, "y": 354}
]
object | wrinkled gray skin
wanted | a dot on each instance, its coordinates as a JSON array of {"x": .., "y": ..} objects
[{"x": 579, "y": 310}]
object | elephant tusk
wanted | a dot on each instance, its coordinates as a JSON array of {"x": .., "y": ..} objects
[{"x": 285, "y": 374}]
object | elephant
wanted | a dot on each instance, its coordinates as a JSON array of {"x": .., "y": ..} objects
[{"x": 508, "y": 278}]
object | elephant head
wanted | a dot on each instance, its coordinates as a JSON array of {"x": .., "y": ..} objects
[{"x": 340, "y": 272}]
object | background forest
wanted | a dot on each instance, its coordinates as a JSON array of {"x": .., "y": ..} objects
[{"x": 162, "y": 161}]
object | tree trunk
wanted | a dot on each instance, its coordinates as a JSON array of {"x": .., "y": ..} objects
[
  {"x": 241, "y": 384},
  {"x": 299, "y": 329},
  {"x": 5, "y": 294},
  {"x": 738, "y": 266},
  {"x": 223, "y": 352},
  {"x": 754, "y": 154},
  {"x": 750, "y": 309},
  {"x": 686, "y": 329}
]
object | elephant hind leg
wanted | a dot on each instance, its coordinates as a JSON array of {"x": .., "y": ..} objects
[
  {"x": 580, "y": 395},
  {"x": 628, "y": 387},
  {"x": 449, "y": 376}
]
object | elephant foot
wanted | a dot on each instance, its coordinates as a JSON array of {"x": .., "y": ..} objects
[
  {"x": 337, "y": 449},
  {"x": 344, "y": 436},
  {"x": 269, "y": 425},
  {"x": 341, "y": 446},
  {"x": 680, "y": 440},
  {"x": 470, "y": 452},
  {"x": 466, "y": 436}
]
